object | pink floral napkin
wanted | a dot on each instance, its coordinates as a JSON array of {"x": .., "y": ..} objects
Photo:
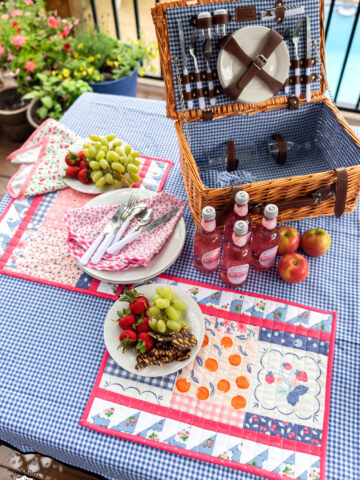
[{"x": 85, "y": 224}]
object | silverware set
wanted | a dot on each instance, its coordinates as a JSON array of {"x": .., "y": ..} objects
[
  {"x": 192, "y": 51},
  {"x": 110, "y": 239}
]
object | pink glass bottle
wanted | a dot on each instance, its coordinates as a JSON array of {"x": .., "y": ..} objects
[
  {"x": 207, "y": 243},
  {"x": 236, "y": 256},
  {"x": 240, "y": 212},
  {"x": 265, "y": 240}
]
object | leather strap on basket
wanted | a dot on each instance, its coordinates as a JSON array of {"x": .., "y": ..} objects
[
  {"x": 254, "y": 67},
  {"x": 282, "y": 148},
  {"x": 279, "y": 11},
  {"x": 338, "y": 189},
  {"x": 341, "y": 190}
]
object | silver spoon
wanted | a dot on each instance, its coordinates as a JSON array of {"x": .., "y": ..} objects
[
  {"x": 144, "y": 218},
  {"x": 137, "y": 209}
]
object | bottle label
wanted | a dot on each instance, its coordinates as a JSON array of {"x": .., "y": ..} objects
[
  {"x": 240, "y": 240},
  {"x": 241, "y": 210},
  {"x": 267, "y": 258},
  {"x": 211, "y": 259},
  {"x": 269, "y": 223},
  {"x": 238, "y": 274},
  {"x": 208, "y": 226}
]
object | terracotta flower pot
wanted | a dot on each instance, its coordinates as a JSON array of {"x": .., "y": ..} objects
[
  {"x": 14, "y": 122},
  {"x": 31, "y": 113}
]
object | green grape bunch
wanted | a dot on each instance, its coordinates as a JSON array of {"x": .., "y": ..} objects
[
  {"x": 166, "y": 311},
  {"x": 112, "y": 162}
]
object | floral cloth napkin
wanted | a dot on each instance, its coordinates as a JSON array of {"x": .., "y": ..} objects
[
  {"x": 85, "y": 224},
  {"x": 39, "y": 160}
]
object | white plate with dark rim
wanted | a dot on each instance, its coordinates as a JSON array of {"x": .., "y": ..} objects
[
  {"x": 251, "y": 39},
  {"x": 127, "y": 360},
  {"x": 159, "y": 263}
]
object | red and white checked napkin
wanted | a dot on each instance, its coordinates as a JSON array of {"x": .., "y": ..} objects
[{"x": 85, "y": 224}]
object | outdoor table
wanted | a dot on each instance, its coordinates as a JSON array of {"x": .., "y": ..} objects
[{"x": 52, "y": 339}]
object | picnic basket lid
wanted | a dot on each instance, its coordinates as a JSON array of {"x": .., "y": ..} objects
[{"x": 165, "y": 16}]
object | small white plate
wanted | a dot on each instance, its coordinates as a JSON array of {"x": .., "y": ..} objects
[
  {"x": 161, "y": 262},
  {"x": 127, "y": 360},
  {"x": 251, "y": 40}
]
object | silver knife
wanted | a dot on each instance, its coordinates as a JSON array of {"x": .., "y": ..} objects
[
  {"x": 295, "y": 39},
  {"x": 308, "y": 55},
  {"x": 130, "y": 237},
  {"x": 109, "y": 232},
  {"x": 190, "y": 103}
]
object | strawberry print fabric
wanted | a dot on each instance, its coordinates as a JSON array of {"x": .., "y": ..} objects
[
  {"x": 40, "y": 157},
  {"x": 85, "y": 224},
  {"x": 255, "y": 398}
]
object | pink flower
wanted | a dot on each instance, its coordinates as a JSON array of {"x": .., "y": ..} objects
[
  {"x": 66, "y": 46},
  {"x": 6, "y": 16},
  {"x": 15, "y": 24},
  {"x": 10, "y": 57},
  {"x": 53, "y": 23},
  {"x": 16, "y": 13},
  {"x": 28, "y": 2},
  {"x": 2, "y": 50},
  {"x": 18, "y": 40},
  {"x": 66, "y": 31},
  {"x": 29, "y": 66}
]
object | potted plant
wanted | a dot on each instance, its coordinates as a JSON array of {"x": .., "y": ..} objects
[
  {"x": 52, "y": 97},
  {"x": 109, "y": 65},
  {"x": 31, "y": 41}
]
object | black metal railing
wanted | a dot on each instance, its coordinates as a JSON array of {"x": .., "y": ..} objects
[{"x": 345, "y": 63}]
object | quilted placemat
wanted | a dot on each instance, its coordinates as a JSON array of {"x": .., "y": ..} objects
[
  {"x": 33, "y": 236},
  {"x": 256, "y": 397}
]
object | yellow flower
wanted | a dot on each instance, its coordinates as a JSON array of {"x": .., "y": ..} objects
[
  {"x": 66, "y": 72},
  {"x": 109, "y": 62},
  {"x": 76, "y": 55},
  {"x": 154, "y": 55},
  {"x": 98, "y": 55},
  {"x": 59, "y": 76},
  {"x": 90, "y": 70},
  {"x": 91, "y": 58},
  {"x": 97, "y": 78},
  {"x": 81, "y": 67},
  {"x": 119, "y": 57},
  {"x": 80, "y": 46},
  {"x": 142, "y": 72}
]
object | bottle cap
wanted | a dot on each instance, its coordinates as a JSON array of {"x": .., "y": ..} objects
[
  {"x": 220, "y": 11},
  {"x": 241, "y": 228},
  {"x": 271, "y": 211},
  {"x": 208, "y": 214},
  {"x": 241, "y": 198}
]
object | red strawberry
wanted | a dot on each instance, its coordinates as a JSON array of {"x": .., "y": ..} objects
[
  {"x": 83, "y": 164},
  {"x": 138, "y": 303},
  {"x": 84, "y": 176},
  {"x": 145, "y": 342},
  {"x": 72, "y": 159},
  {"x": 81, "y": 155},
  {"x": 72, "y": 171},
  {"x": 287, "y": 366},
  {"x": 141, "y": 325},
  {"x": 127, "y": 339},
  {"x": 126, "y": 319},
  {"x": 269, "y": 378},
  {"x": 301, "y": 375}
]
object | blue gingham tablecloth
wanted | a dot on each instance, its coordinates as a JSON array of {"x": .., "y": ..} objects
[{"x": 50, "y": 355}]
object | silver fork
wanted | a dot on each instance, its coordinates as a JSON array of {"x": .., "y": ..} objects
[
  {"x": 287, "y": 39},
  {"x": 193, "y": 51},
  {"x": 111, "y": 229},
  {"x": 296, "y": 39},
  {"x": 207, "y": 51}
]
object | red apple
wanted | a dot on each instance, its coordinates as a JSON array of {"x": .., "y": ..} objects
[
  {"x": 293, "y": 268},
  {"x": 289, "y": 240},
  {"x": 315, "y": 242}
]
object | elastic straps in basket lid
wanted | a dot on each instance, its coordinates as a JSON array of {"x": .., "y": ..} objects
[{"x": 254, "y": 67}]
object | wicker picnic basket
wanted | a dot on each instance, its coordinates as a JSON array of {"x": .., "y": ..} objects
[{"x": 311, "y": 194}]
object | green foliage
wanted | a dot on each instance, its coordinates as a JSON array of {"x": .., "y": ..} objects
[
  {"x": 31, "y": 40},
  {"x": 55, "y": 95}
]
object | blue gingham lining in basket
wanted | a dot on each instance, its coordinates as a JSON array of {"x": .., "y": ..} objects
[
  {"x": 185, "y": 13},
  {"x": 320, "y": 144}
]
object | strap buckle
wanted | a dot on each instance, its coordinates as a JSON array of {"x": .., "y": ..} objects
[{"x": 260, "y": 61}]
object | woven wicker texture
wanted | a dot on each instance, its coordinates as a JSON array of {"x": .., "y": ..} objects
[{"x": 326, "y": 139}]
